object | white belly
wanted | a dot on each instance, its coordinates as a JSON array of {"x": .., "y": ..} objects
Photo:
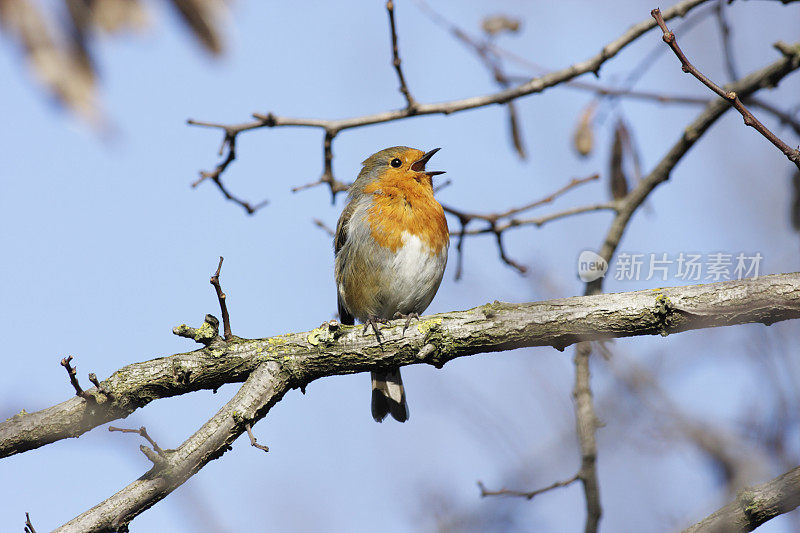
[{"x": 413, "y": 277}]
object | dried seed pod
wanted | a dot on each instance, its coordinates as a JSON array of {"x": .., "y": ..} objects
[
  {"x": 583, "y": 139},
  {"x": 618, "y": 181},
  {"x": 499, "y": 24}
]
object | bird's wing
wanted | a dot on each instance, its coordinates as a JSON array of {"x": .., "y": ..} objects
[{"x": 340, "y": 238}]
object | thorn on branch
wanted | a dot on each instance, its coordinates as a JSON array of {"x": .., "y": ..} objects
[
  {"x": 142, "y": 431},
  {"x": 253, "y": 442},
  {"x": 73, "y": 379},
  {"x": 28, "y": 526},
  {"x": 226, "y": 321}
]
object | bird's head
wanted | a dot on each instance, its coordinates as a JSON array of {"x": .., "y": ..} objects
[{"x": 399, "y": 162}]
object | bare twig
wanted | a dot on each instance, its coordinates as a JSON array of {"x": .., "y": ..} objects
[
  {"x": 96, "y": 382},
  {"x": 529, "y": 495},
  {"x": 142, "y": 432},
  {"x": 532, "y": 86},
  {"x": 745, "y": 87},
  {"x": 253, "y": 442},
  {"x": 229, "y": 143},
  {"x": 73, "y": 378},
  {"x": 324, "y": 227},
  {"x": 749, "y": 119},
  {"x": 335, "y": 185},
  {"x": 725, "y": 35},
  {"x": 28, "y": 526},
  {"x": 226, "y": 320},
  {"x": 494, "y": 226},
  {"x": 411, "y": 103}
]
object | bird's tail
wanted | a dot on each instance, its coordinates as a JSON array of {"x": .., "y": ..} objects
[{"x": 388, "y": 396}]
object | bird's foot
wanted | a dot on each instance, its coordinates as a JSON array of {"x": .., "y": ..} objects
[
  {"x": 373, "y": 322},
  {"x": 409, "y": 317}
]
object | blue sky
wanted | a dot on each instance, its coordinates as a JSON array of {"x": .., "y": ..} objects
[{"x": 106, "y": 248}]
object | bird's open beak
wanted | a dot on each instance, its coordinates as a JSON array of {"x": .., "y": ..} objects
[{"x": 419, "y": 164}]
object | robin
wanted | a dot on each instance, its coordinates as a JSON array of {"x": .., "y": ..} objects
[{"x": 391, "y": 250}]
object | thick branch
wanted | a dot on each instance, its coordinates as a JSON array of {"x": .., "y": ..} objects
[
  {"x": 754, "y": 506},
  {"x": 436, "y": 339}
]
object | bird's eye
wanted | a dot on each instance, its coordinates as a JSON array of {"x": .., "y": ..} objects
[{"x": 396, "y": 163}]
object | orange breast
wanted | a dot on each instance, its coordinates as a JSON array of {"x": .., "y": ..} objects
[{"x": 406, "y": 203}]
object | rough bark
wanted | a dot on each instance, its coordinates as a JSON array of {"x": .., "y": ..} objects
[{"x": 434, "y": 339}]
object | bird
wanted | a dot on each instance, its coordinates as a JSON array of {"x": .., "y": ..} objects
[{"x": 390, "y": 250}]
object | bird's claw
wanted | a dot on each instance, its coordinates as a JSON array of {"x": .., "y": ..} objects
[
  {"x": 408, "y": 317},
  {"x": 373, "y": 322}
]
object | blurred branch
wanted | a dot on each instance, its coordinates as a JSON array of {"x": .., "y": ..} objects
[
  {"x": 792, "y": 51},
  {"x": 530, "y": 494},
  {"x": 532, "y": 86},
  {"x": 495, "y": 226},
  {"x": 754, "y": 506},
  {"x": 586, "y": 423}
]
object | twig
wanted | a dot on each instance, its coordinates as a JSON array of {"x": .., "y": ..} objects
[
  {"x": 226, "y": 321},
  {"x": 28, "y": 526},
  {"x": 320, "y": 224},
  {"x": 766, "y": 77},
  {"x": 96, "y": 382},
  {"x": 493, "y": 219},
  {"x": 411, "y": 103},
  {"x": 72, "y": 373},
  {"x": 530, "y": 494},
  {"x": 142, "y": 432},
  {"x": 532, "y": 86},
  {"x": 229, "y": 143},
  {"x": 725, "y": 35},
  {"x": 749, "y": 119},
  {"x": 335, "y": 185},
  {"x": 253, "y": 442}
]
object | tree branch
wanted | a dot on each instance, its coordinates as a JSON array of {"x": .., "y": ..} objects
[
  {"x": 766, "y": 77},
  {"x": 333, "y": 349},
  {"x": 532, "y": 86},
  {"x": 754, "y": 506},
  {"x": 731, "y": 96},
  {"x": 266, "y": 386}
]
